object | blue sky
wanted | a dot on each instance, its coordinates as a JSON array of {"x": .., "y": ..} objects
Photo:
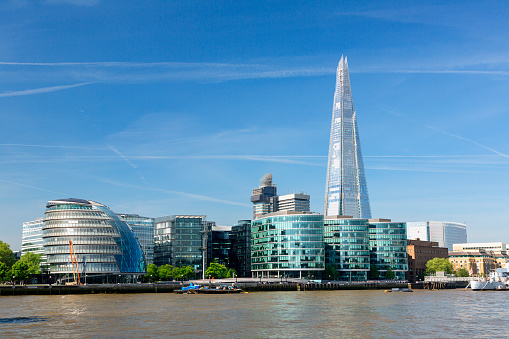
[{"x": 181, "y": 108}]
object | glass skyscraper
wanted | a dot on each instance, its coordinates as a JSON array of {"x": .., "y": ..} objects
[
  {"x": 143, "y": 228},
  {"x": 346, "y": 191}
]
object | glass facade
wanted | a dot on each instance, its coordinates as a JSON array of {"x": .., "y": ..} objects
[
  {"x": 219, "y": 245},
  {"x": 444, "y": 232},
  {"x": 179, "y": 240},
  {"x": 288, "y": 244},
  {"x": 347, "y": 247},
  {"x": 388, "y": 247},
  {"x": 346, "y": 191},
  {"x": 103, "y": 243},
  {"x": 241, "y": 248},
  {"x": 143, "y": 229},
  {"x": 31, "y": 241}
]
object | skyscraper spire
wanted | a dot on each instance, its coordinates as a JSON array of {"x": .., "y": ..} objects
[{"x": 346, "y": 191}]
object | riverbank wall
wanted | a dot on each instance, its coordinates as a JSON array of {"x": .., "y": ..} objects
[{"x": 168, "y": 288}]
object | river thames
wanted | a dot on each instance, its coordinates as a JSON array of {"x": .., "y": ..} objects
[{"x": 372, "y": 313}]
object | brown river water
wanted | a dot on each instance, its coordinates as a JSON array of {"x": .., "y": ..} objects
[{"x": 310, "y": 314}]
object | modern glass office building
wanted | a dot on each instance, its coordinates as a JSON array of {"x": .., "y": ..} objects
[
  {"x": 31, "y": 241},
  {"x": 388, "y": 246},
  {"x": 143, "y": 229},
  {"x": 444, "y": 232},
  {"x": 346, "y": 191},
  {"x": 288, "y": 244},
  {"x": 219, "y": 245},
  {"x": 347, "y": 247},
  {"x": 103, "y": 243},
  {"x": 264, "y": 197},
  {"x": 240, "y": 257},
  {"x": 180, "y": 240}
]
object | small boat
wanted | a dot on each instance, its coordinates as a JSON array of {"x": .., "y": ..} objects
[
  {"x": 221, "y": 289},
  {"x": 188, "y": 289}
]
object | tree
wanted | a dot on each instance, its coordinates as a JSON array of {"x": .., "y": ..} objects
[
  {"x": 187, "y": 272},
  {"x": 439, "y": 264},
  {"x": 165, "y": 272},
  {"x": 216, "y": 270},
  {"x": 152, "y": 272},
  {"x": 330, "y": 273},
  {"x": 462, "y": 272},
  {"x": 389, "y": 274},
  {"x": 177, "y": 273},
  {"x": 5, "y": 272},
  {"x": 232, "y": 273},
  {"x": 20, "y": 271},
  {"x": 6, "y": 255},
  {"x": 373, "y": 273},
  {"x": 33, "y": 261}
]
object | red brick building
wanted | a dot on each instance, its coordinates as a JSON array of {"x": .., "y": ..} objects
[{"x": 419, "y": 252}]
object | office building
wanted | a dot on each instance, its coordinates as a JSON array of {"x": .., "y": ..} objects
[
  {"x": 419, "y": 253},
  {"x": 478, "y": 262},
  {"x": 31, "y": 241},
  {"x": 346, "y": 191},
  {"x": 298, "y": 202},
  {"x": 219, "y": 245},
  {"x": 181, "y": 240},
  {"x": 488, "y": 246},
  {"x": 388, "y": 246},
  {"x": 240, "y": 258},
  {"x": 102, "y": 242},
  {"x": 444, "y": 232},
  {"x": 264, "y": 197},
  {"x": 347, "y": 246},
  {"x": 143, "y": 228},
  {"x": 288, "y": 244}
]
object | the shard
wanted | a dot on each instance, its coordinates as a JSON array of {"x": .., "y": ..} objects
[{"x": 346, "y": 191}]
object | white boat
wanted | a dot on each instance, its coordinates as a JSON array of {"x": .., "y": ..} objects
[{"x": 497, "y": 280}]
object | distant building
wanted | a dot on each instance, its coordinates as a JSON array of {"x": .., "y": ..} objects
[
  {"x": 444, "y": 232},
  {"x": 478, "y": 263},
  {"x": 288, "y": 244},
  {"x": 143, "y": 228},
  {"x": 419, "y": 253},
  {"x": 347, "y": 246},
  {"x": 298, "y": 202},
  {"x": 103, "y": 243},
  {"x": 31, "y": 241},
  {"x": 240, "y": 257},
  {"x": 181, "y": 240},
  {"x": 388, "y": 246},
  {"x": 489, "y": 246},
  {"x": 264, "y": 197},
  {"x": 219, "y": 245}
]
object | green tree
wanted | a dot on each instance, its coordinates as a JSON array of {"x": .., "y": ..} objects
[
  {"x": 177, "y": 273},
  {"x": 187, "y": 272},
  {"x": 165, "y": 272},
  {"x": 439, "y": 264},
  {"x": 232, "y": 273},
  {"x": 5, "y": 272},
  {"x": 33, "y": 261},
  {"x": 373, "y": 273},
  {"x": 389, "y": 274},
  {"x": 331, "y": 273},
  {"x": 6, "y": 255},
  {"x": 152, "y": 272},
  {"x": 216, "y": 270},
  {"x": 462, "y": 272},
  {"x": 20, "y": 271}
]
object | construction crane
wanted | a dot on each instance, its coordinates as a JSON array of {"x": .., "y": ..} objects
[{"x": 74, "y": 262}]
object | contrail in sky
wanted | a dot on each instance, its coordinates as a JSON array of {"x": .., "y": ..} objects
[
  {"x": 41, "y": 90},
  {"x": 37, "y": 188}
]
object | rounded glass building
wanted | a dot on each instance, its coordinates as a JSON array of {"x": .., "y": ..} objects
[
  {"x": 288, "y": 244},
  {"x": 103, "y": 243}
]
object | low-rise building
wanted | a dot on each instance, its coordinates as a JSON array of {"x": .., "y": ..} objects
[
  {"x": 419, "y": 253},
  {"x": 478, "y": 263}
]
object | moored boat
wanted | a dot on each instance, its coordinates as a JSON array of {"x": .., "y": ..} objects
[{"x": 497, "y": 280}]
